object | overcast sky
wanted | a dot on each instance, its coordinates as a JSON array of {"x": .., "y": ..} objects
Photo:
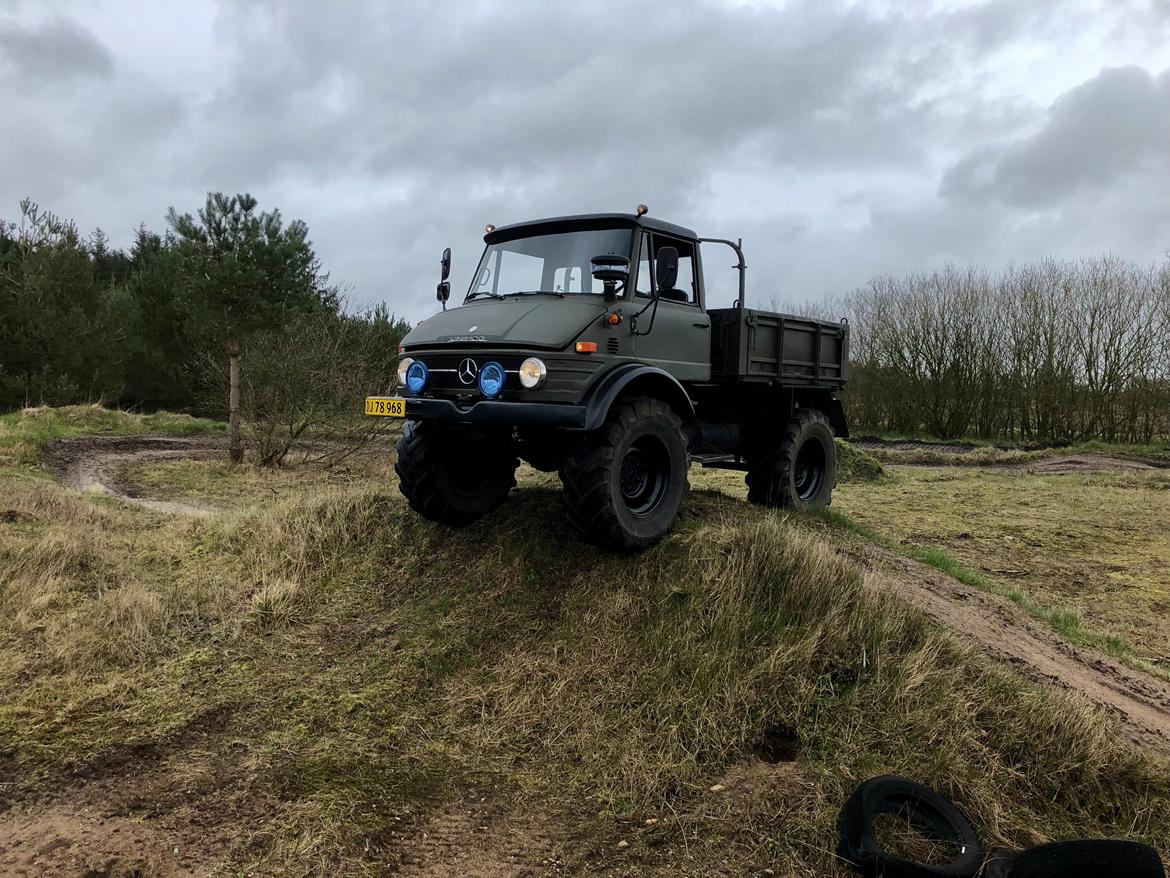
[{"x": 840, "y": 140}]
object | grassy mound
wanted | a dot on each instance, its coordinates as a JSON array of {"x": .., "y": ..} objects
[
  {"x": 855, "y": 465},
  {"x": 358, "y": 668}
]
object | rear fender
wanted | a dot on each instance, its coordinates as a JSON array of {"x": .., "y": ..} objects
[{"x": 832, "y": 408}]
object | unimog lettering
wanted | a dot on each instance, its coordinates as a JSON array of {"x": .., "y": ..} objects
[{"x": 607, "y": 364}]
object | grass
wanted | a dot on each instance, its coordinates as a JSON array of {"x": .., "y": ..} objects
[
  {"x": 1066, "y": 547},
  {"x": 1062, "y": 620},
  {"x": 220, "y": 482},
  {"x": 24, "y": 434},
  {"x": 327, "y": 671},
  {"x": 855, "y": 465}
]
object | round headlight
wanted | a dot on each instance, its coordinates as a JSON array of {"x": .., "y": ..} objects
[
  {"x": 532, "y": 373},
  {"x": 416, "y": 377},
  {"x": 403, "y": 365},
  {"x": 491, "y": 379}
]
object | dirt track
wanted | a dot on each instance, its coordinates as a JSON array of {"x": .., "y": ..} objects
[
  {"x": 1005, "y": 631},
  {"x": 92, "y": 463}
]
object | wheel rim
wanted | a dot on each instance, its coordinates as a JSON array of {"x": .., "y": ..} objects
[
  {"x": 809, "y": 472},
  {"x": 644, "y": 475}
]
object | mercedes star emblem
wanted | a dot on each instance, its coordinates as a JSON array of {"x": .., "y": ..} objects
[{"x": 468, "y": 370}]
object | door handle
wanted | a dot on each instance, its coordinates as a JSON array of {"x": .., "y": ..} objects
[{"x": 706, "y": 322}]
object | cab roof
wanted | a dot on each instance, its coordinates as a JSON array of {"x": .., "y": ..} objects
[{"x": 584, "y": 222}]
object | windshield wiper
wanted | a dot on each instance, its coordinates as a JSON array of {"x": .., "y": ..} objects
[
  {"x": 485, "y": 293},
  {"x": 535, "y": 293}
]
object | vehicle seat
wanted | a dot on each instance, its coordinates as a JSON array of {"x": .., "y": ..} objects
[{"x": 675, "y": 295}]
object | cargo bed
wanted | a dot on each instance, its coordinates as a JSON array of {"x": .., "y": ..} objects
[{"x": 762, "y": 346}]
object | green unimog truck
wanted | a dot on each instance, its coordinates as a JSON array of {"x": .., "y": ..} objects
[{"x": 586, "y": 345}]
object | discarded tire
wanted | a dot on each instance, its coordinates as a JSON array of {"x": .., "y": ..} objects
[
  {"x": 933, "y": 815},
  {"x": 1089, "y": 858},
  {"x": 999, "y": 863}
]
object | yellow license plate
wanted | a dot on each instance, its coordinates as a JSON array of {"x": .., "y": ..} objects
[{"x": 385, "y": 407}]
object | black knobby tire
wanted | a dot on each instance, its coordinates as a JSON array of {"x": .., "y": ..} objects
[
  {"x": 796, "y": 466},
  {"x": 543, "y": 450},
  {"x": 624, "y": 485},
  {"x": 922, "y": 807},
  {"x": 453, "y": 476}
]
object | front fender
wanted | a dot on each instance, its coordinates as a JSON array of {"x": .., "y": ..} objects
[{"x": 634, "y": 379}]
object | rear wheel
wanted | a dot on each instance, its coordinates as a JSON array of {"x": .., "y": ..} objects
[
  {"x": 795, "y": 468},
  {"x": 625, "y": 484},
  {"x": 454, "y": 476}
]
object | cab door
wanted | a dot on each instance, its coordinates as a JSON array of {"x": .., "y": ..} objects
[{"x": 678, "y": 338}]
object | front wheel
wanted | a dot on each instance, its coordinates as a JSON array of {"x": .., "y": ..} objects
[
  {"x": 454, "y": 476},
  {"x": 625, "y": 484},
  {"x": 795, "y": 468}
]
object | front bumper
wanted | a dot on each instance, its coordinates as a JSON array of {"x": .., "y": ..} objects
[{"x": 519, "y": 414}]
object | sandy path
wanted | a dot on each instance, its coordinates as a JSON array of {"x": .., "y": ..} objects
[
  {"x": 92, "y": 463},
  {"x": 1005, "y": 631}
]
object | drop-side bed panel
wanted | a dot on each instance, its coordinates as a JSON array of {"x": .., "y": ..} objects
[{"x": 760, "y": 345}]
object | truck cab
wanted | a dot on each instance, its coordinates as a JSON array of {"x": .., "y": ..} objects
[{"x": 568, "y": 322}]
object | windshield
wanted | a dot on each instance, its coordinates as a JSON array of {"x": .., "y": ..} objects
[{"x": 558, "y": 264}]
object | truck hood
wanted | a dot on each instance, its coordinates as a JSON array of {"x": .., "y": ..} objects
[{"x": 525, "y": 321}]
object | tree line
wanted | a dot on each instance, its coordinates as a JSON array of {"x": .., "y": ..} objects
[
  {"x": 227, "y": 311},
  {"x": 1047, "y": 351},
  {"x": 173, "y": 322}
]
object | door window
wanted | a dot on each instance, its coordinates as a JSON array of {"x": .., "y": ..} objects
[
  {"x": 645, "y": 279},
  {"x": 685, "y": 288}
]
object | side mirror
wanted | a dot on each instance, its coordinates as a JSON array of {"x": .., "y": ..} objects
[
  {"x": 446, "y": 264},
  {"x": 443, "y": 292},
  {"x": 666, "y": 268}
]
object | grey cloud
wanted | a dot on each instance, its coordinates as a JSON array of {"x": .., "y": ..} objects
[
  {"x": 817, "y": 129},
  {"x": 528, "y": 109},
  {"x": 1114, "y": 126},
  {"x": 54, "y": 50}
]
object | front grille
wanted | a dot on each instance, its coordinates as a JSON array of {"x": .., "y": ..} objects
[{"x": 444, "y": 368}]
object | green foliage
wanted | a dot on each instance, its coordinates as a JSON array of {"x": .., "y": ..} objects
[
  {"x": 241, "y": 271},
  {"x": 307, "y": 379},
  {"x": 60, "y": 327},
  {"x": 81, "y": 321}
]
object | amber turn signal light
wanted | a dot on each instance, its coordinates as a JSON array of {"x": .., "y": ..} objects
[
  {"x": 614, "y": 319},
  {"x": 586, "y": 347}
]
